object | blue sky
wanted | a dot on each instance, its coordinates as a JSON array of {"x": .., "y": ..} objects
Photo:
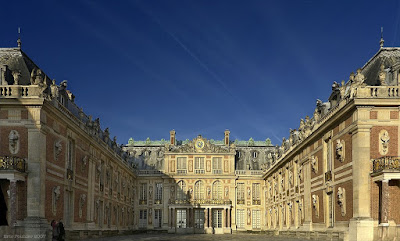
[{"x": 200, "y": 67}]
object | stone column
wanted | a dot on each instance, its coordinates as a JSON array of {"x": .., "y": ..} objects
[
  {"x": 13, "y": 202},
  {"x": 206, "y": 218},
  {"x": 209, "y": 217},
  {"x": 229, "y": 218},
  {"x": 361, "y": 225},
  {"x": 385, "y": 202},
  {"x": 307, "y": 225},
  {"x": 35, "y": 222}
]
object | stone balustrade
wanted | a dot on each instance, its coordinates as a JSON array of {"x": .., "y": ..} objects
[
  {"x": 202, "y": 201},
  {"x": 377, "y": 92},
  {"x": 361, "y": 92},
  {"x": 20, "y": 91},
  {"x": 386, "y": 164},
  {"x": 148, "y": 172},
  {"x": 249, "y": 172}
]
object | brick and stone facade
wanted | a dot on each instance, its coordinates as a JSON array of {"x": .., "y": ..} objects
[{"x": 334, "y": 177}]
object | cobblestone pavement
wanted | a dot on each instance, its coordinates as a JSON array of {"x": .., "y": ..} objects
[{"x": 195, "y": 237}]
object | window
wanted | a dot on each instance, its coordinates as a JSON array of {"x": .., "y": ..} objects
[
  {"x": 217, "y": 190},
  {"x": 71, "y": 152},
  {"x": 158, "y": 195},
  {"x": 199, "y": 165},
  {"x": 181, "y": 165},
  {"x": 157, "y": 218},
  {"x": 143, "y": 218},
  {"x": 181, "y": 218},
  {"x": 256, "y": 194},
  {"x": 217, "y": 165},
  {"x": 181, "y": 191},
  {"x": 240, "y": 193},
  {"x": 217, "y": 218},
  {"x": 256, "y": 219},
  {"x": 143, "y": 193},
  {"x": 199, "y": 218},
  {"x": 255, "y": 154},
  {"x": 199, "y": 190},
  {"x": 240, "y": 218}
]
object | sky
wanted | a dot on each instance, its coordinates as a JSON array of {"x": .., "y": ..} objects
[{"x": 145, "y": 67}]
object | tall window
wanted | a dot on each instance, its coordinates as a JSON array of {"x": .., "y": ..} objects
[
  {"x": 157, "y": 218},
  {"x": 240, "y": 193},
  {"x": 240, "y": 218},
  {"x": 71, "y": 153},
  {"x": 256, "y": 219},
  {"x": 181, "y": 218},
  {"x": 217, "y": 190},
  {"x": 143, "y": 193},
  {"x": 143, "y": 218},
  {"x": 198, "y": 190},
  {"x": 217, "y": 218},
  {"x": 217, "y": 165},
  {"x": 181, "y": 165},
  {"x": 158, "y": 194},
  {"x": 199, "y": 165},
  {"x": 199, "y": 218},
  {"x": 181, "y": 190},
  {"x": 256, "y": 194}
]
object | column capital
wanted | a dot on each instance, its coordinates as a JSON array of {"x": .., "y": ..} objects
[{"x": 386, "y": 180}]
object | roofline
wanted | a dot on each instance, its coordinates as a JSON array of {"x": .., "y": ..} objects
[{"x": 377, "y": 53}]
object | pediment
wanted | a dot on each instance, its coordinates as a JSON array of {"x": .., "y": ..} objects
[{"x": 199, "y": 145}]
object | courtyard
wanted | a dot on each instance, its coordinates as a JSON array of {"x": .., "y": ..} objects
[{"x": 194, "y": 237}]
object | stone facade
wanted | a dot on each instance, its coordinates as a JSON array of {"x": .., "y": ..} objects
[{"x": 334, "y": 177}]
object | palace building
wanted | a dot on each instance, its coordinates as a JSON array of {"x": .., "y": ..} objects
[{"x": 335, "y": 177}]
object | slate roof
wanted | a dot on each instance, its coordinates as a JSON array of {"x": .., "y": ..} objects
[
  {"x": 390, "y": 57},
  {"x": 16, "y": 59}
]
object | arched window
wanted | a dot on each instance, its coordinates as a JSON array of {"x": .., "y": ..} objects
[
  {"x": 199, "y": 190},
  {"x": 181, "y": 190},
  {"x": 217, "y": 190}
]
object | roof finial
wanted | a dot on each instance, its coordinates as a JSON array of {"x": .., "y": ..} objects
[
  {"x": 382, "y": 41},
  {"x": 19, "y": 37}
]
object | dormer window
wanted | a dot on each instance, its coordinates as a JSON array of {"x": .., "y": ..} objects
[{"x": 255, "y": 154}]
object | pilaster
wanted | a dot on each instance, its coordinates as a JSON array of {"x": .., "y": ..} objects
[{"x": 361, "y": 225}]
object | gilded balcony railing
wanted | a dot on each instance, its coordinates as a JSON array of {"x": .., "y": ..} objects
[
  {"x": 387, "y": 163},
  {"x": 202, "y": 201},
  {"x": 12, "y": 163}
]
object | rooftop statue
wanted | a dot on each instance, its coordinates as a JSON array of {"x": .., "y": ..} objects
[
  {"x": 359, "y": 78},
  {"x": 54, "y": 89},
  {"x": 382, "y": 75},
  {"x": 16, "y": 76}
]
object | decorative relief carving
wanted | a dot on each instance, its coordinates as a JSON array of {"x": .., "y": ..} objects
[
  {"x": 315, "y": 204},
  {"x": 314, "y": 164},
  {"x": 151, "y": 193},
  {"x": 341, "y": 196},
  {"x": 384, "y": 139},
  {"x": 340, "y": 150},
  {"x": 57, "y": 149},
  {"x": 13, "y": 142},
  {"x": 208, "y": 147},
  {"x": 300, "y": 172},
  {"x": 84, "y": 162},
  {"x": 55, "y": 196},
  {"x": 82, "y": 200},
  {"x": 226, "y": 191}
]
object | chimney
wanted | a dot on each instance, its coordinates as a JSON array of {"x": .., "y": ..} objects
[
  {"x": 172, "y": 137},
  {"x": 227, "y": 137}
]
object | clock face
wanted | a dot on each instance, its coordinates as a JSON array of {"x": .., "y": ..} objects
[{"x": 199, "y": 144}]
